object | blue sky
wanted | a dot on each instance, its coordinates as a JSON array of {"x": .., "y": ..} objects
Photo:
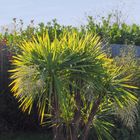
[{"x": 72, "y": 12}]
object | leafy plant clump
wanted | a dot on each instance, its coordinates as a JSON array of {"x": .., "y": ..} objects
[{"x": 73, "y": 84}]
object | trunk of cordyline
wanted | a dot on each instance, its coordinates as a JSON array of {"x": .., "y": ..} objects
[
  {"x": 76, "y": 121},
  {"x": 57, "y": 128},
  {"x": 90, "y": 119},
  {"x": 58, "y": 133},
  {"x": 77, "y": 117}
]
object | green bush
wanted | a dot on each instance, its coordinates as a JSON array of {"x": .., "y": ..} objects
[{"x": 73, "y": 84}]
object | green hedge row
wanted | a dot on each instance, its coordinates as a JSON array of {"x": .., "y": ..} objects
[{"x": 112, "y": 31}]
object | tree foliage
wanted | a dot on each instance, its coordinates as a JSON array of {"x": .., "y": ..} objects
[{"x": 73, "y": 84}]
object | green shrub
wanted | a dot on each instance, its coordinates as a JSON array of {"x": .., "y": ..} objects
[{"x": 73, "y": 84}]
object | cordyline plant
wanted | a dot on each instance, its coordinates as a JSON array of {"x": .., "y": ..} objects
[{"x": 73, "y": 84}]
